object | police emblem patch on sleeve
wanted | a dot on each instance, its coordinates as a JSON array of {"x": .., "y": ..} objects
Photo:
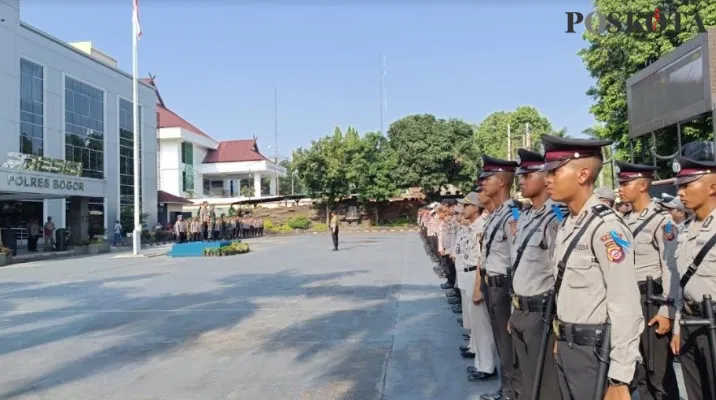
[
  {"x": 615, "y": 253},
  {"x": 513, "y": 227},
  {"x": 669, "y": 234}
]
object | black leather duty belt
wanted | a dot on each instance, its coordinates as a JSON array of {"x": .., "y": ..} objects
[
  {"x": 580, "y": 334},
  {"x": 658, "y": 289},
  {"x": 470, "y": 269},
  {"x": 694, "y": 309},
  {"x": 496, "y": 280},
  {"x": 529, "y": 303}
]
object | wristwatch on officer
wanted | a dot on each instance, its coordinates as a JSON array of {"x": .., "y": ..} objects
[{"x": 614, "y": 382}]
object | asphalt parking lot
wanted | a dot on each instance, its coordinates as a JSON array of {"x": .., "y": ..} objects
[{"x": 290, "y": 320}]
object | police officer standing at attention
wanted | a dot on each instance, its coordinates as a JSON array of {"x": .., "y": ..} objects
[
  {"x": 481, "y": 338},
  {"x": 333, "y": 224},
  {"x": 654, "y": 235},
  {"x": 498, "y": 177},
  {"x": 599, "y": 284},
  {"x": 532, "y": 274},
  {"x": 696, "y": 260}
]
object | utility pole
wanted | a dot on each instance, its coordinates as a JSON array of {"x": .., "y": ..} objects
[
  {"x": 528, "y": 145},
  {"x": 275, "y": 134},
  {"x": 509, "y": 143},
  {"x": 292, "y": 193}
]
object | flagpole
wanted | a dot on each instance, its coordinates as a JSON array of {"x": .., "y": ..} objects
[{"x": 137, "y": 237}]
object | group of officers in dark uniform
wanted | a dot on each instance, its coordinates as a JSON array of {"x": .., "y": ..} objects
[{"x": 575, "y": 300}]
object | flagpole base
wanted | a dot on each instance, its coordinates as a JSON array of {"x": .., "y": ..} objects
[{"x": 136, "y": 241}]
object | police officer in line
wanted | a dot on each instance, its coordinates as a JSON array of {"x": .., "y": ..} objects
[
  {"x": 498, "y": 177},
  {"x": 599, "y": 282},
  {"x": 654, "y": 243},
  {"x": 696, "y": 182},
  {"x": 446, "y": 237},
  {"x": 458, "y": 252},
  {"x": 481, "y": 339},
  {"x": 532, "y": 273}
]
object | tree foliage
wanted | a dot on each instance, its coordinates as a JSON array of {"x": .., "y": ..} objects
[
  {"x": 614, "y": 56},
  {"x": 491, "y": 134},
  {"x": 337, "y": 166},
  {"x": 433, "y": 153},
  {"x": 419, "y": 151}
]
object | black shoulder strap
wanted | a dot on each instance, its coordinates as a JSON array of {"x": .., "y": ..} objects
[
  {"x": 494, "y": 233},
  {"x": 643, "y": 225},
  {"x": 697, "y": 261},
  {"x": 599, "y": 210},
  {"x": 523, "y": 246}
]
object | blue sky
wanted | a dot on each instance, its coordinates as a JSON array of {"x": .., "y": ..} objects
[{"x": 217, "y": 64}]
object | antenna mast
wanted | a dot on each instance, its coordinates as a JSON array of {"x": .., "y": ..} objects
[{"x": 275, "y": 134}]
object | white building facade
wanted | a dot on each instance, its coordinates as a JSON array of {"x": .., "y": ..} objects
[
  {"x": 195, "y": 166},
  {"x": 60, "y": 101}
]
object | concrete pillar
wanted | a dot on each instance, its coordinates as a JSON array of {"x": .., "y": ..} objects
[
  {"x": 54, "y": 208},
  {"x": 272, "y": 186},
  {"x": 78, "y": 217},
  {"x": 237, "y": 187},
  {"x": 257, "y": 185}
]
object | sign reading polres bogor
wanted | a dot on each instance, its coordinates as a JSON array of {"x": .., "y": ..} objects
[
  {"x": 632, "y": 22},
  {"x": 67, "y": 185}
]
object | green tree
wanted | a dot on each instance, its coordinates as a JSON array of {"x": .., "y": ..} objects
[
  {"x": 612, "y": 57},
  {"x": 432, "y": 153},
  {"x": 289, "y": 184},
  {"x": 371, "y": 170},
  {"x": 491, "y": 133},
  {"x": 322, "y": 169}
]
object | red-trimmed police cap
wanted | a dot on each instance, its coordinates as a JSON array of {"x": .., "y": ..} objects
[
  {"x": 628, "y": 172},
  {"x": 492, "y": 165},
  {"x": 688, "y": 170},
  {"x": 529, "y": 161},
  {"x": 559, "y": 151}
]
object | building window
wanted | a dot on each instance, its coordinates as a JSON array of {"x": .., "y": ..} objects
[
  {"x": 84, "y": 127},
  {"x": 187, "y": 153},
  {"x": 187, "y": 159},
  {"x": 187, "y": 178},
  {"x": 126, "y": 156},
  {"x": 31, "y": 108}
]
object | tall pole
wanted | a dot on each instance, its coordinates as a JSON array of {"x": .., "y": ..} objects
[
  {"x": 528, "y": 143},
  {"x": 382, "y": 91},
  {"x": 275, "y": 134},
  {"x": 292, "y": 193},
  {"x": 137, "y": 236},
  {"x": 509, "y": 143}
]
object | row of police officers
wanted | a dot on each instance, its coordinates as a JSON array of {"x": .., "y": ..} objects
[{"x": 569, "y": 299}]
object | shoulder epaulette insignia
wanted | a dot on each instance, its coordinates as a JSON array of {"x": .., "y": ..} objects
[{"x": 602, "y": 210}]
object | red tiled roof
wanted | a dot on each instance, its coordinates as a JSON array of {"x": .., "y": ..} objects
[
  {"x": 235, "y": 151},
  {"x": 167, "y": 118},
  {"x": 164, "y": 197}
]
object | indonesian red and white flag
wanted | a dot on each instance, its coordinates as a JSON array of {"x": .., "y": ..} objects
[{"x": 135, "y": 18}]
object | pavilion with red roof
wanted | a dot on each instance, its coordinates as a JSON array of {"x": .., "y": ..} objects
[{"x": 195, "y": 166}]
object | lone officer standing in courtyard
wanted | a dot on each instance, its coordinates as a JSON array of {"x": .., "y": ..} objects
[
  {"x": 696, "y": 260},
  {"x": 600, "y": 286},
  {"x": 532, "y": 274},
  {"x": 654, "y": 234},
  {"x": 334, "y": 230},
  {"x": 499, "y": 176}
]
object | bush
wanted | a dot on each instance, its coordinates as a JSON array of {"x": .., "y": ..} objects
[
  {"x": 319, "y": 227},
  {"x": 5, "y": 250},
  {"x": 268, "y": 224},
  {"x": 299, "y": 223},
  {"x": 234, "y": 248},
  {"x": 401, "y": 222}
]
